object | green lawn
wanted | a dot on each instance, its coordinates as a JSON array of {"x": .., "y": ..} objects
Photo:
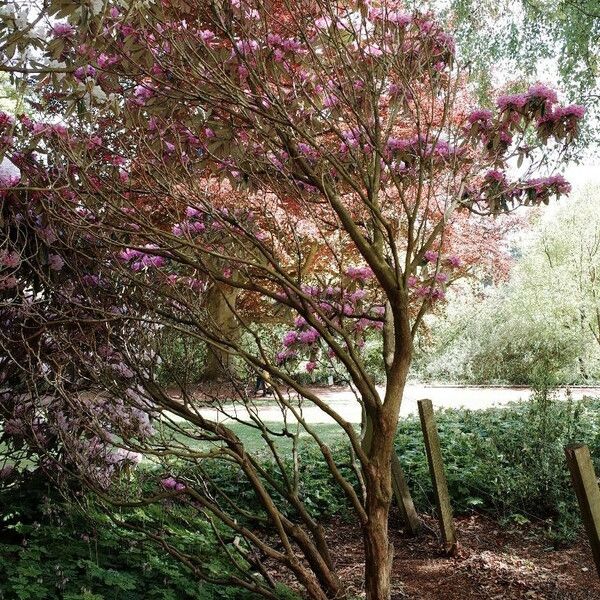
[{"x": 253, "y": 440}]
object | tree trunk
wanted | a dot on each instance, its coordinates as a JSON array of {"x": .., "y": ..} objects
[
  {"x": 382, "y": 421},
  {"x": 378, "y": 555},
  {"x": 220, "y": 300}
]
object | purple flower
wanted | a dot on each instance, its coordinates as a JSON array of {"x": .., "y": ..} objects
[
  {"x": 573, "y": 110},
  {"x": 305, "y": 149},
  {"x": 308, "y": 337},
  {"x": 511, "y": 102},
  {"x": 454, "y": 261},
  {"x": 284, "y": 356},
  {"x": 541, "y": 93},
  {"x": 63, "y": 30},
  {"x": 10, "y": 259},
  {"x": 171, "y": 484},
  {"x": 481, "y": 117},
  {"x": 142, "y": 94},
  {"x": 290, "y": 338},
  {"x": 431, "y": 256},
  {"x": 55, "y": 262},
  {"x": 495, "y": 177},
  {"x": 207, "y": 36}
]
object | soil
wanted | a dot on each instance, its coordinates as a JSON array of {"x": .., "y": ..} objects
[{"x": 491, "y": 563}]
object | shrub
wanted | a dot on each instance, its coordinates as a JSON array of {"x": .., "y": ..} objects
[{"x": 56, "y": 549}]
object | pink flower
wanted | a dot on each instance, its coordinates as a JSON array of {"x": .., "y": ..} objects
[
  {"x": 454, "y": 261},
  {"x": 323, "y": 23},
  {"x": 290, "y": 338},
  {"x": 573, "y": 110},
  {"x": 431, "y": 256},
  {"x": 6, "y": 119},
  {"x": 308, "y": 337},
  {"x": 207, "y": 36},
  {"x": 399, "y": 18},
  {"x": 482, "y": 117},
  {"x": 10, "y": 259},
  {"x": 541, "y": 93},
  {"x": 360, "y": 273},
  {"x": 142, "y": 94},
  {"x": 8, "y": 283},
  {"x": 63, "y": 30},
  {"x": 245, "y": 47},
  {"x": 171, "y": 484},
  {"x": 311, "y": 366},
  {"x": 55, "y": 262},
  {"x": 105, "y": 60},
  {"x": 284, "y": 356},
  {"x": 511, "y": 102},
  {"x": 305, "y": 149},
  {"x": 441, "y": 277},
  {"x": 495, "y": 176},
  {"x": 373, "y": 50}
]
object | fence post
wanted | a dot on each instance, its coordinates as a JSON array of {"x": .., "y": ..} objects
[
  {"x": 587, "y": 492},
  {"x": 438, "y": 476},
  {"x": 410, "y": 517}
]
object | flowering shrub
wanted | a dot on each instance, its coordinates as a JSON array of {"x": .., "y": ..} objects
[{"x": 239, "y": 163}]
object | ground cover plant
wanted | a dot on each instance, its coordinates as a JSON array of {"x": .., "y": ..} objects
[{"x": 505, "y": 462}]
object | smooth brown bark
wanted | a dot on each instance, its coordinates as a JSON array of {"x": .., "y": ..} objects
[
  {"x": 221, "y": 300},
  {"x": 378, "y": 482},
  {"x": 378, "y": 553}
]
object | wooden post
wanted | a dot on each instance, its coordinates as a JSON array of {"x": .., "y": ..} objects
[
  {"x": 588, "y": 494},
  {"x": 404, "y": 499},
  {"x": 438, "y": 476}
]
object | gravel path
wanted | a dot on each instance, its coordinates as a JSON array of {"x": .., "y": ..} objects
[{"x": 345, "y": 404}]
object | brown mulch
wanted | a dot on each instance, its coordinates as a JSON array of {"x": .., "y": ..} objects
[{"x": 492, "y": 563}]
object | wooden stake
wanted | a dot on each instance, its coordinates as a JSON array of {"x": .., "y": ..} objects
[
  {"x": 588, "y": 494},
  {"x": 410, "y": 517},
  {"x": 438, "y": 476}
]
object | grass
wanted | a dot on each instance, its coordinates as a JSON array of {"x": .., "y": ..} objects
[{"x": 253, "y": 440}]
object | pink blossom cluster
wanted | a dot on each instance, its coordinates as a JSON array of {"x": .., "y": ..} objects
[
  {"x": 394, "y": 17},
  {"x": 538, "y": 96},
  {"x": 544, "y": 187},
  {"x": 560, "y": 121},
  {"x": 138, "y": 259},
  {"x": 63, "y": 30},
  {"x": 360, "y": 273},
  {"x": 171, "y": 484}
]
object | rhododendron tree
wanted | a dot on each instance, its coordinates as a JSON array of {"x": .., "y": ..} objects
[{"x": 313, "y": 159}]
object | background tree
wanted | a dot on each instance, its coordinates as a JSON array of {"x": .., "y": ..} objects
[{"x": 540, "y": 328}]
